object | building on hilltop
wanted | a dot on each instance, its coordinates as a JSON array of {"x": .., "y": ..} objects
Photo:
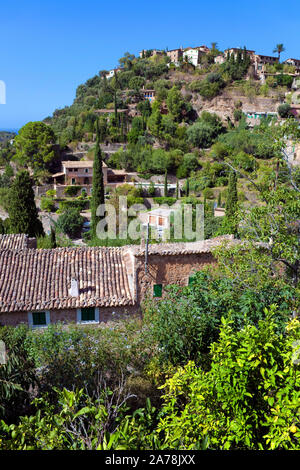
[
  {"x": 236, "y": 50},
  {"x": 91, "y": 285},
  {"x": 150, "y": 53},
  {"x": 295, "y": 63},
  {"x": 175, "y": 56},
  {"x": 112, "y": 72},
  {"x": 193, "y": 54}
]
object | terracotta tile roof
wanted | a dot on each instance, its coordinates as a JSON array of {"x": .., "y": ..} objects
[
  {"x": 41, "y": 279},
  {"x": 79, "y": 164},
  {"x": 203, "y": 246},
  {"x": 13, "y": 241}
]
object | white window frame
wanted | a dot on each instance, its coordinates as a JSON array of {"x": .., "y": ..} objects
[
  {"x": 30, "y": 319},
  {"x": 92, "y": 322}
]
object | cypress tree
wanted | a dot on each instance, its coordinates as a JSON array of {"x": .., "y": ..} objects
[
  {"x": 23, "y": 214},
  {"x": 98, "y": 197},
  {"x": 177, "y": 189},
  {"x": 116, "y": 107},
  {"x": 187, "y": 187},
  {"x": 53, "y": 238},
  {"x": 166, "y": 185},
  {"x": 232, "y": 202},
  {"x": 2, "y": 228}
]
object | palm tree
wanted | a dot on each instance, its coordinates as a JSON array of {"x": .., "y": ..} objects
[{"x": 278, "y": 49}]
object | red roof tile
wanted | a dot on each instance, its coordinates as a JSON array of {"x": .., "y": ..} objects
[{"x": 41, "y": 279}]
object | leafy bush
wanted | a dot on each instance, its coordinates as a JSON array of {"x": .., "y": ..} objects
[
  {"x": 70, "y": 222},
  {"x": 249, "y": 399},
  {"x": 187, "y": 319},
  {"x": 47, "y": 204},
  {"x": 72, "y": 190},
  {"x": 165, "y": 200},
  {"x": 284, "y": 110}
]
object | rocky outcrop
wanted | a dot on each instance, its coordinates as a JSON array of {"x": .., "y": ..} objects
[{"x": 224, "y": 104}]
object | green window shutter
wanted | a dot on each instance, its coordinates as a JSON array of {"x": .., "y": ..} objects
[
  {"x": 88, "y": 314},
  {"x": 157, "y": 290},
  {"x": 39, "y": 318},
  {"x": 191, "y": 280}
]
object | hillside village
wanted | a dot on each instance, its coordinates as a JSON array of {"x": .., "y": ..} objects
[
  {"x": 161, "y": 116},
  {"x": 97, "y": 321}
]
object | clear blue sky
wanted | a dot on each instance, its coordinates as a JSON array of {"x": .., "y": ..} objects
[{"x": 49, "y": 47}]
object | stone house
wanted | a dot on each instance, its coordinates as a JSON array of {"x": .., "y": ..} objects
[
  {"x": 235, "y": 50},
  {"x": 150, "y": 53},
  {"x": 80, "y": 173},
  {"x": 175, "y": 56},
  {"x": 90, "y": 285},
  {"x": 295, "y": 63},
  {"x": 148, "y": 94}
]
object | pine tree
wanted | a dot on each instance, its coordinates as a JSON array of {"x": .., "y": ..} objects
[
  {"x": 23, "y": 214},
  {"x": 98, "y": 197}
]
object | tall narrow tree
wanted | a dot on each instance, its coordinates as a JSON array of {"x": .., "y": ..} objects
[
  {"x": 232, "y": 203},
  {"x": 98, "y": 197},
  {"x": 53, "y": 238},
  {"x": 166, "y": 184},
  {"x": 187, "y": 190},
  {"x": 23, "y": 214}
]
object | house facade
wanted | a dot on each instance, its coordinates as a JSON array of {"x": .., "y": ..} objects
[
  {"x": 80, "y": 173},
  {"x": 148, "y": 94},
  {"x": 295, "y": 63},
  {"x": 175, "y": 56},
  {"x": 193, "y": 55},
  {"x": 91, "y": 285}
]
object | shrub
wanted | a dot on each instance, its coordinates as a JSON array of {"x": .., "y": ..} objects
[
  {"x": 208, "y": 193},
  {"x": 165, "y": 200},
  {"x": 247, "y": 400},
  {"x": 70, "y": 222},
  {"x": 72, "y": 190},
  {"x": 284, "y": 110},
  {"x": 47, "y": 204}
]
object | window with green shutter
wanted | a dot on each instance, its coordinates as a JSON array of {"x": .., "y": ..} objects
[
  {"x": 157, "y": 290},
  {"x": 88, "y": 314},
  {"x": 39, "y": 318}
]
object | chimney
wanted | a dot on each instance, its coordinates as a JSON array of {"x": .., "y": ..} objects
[{"x": 74, "y": 290}]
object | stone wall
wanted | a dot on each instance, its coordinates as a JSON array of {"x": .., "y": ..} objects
[
  {"x": 68, "y": 316},
  {"x": 170, "y": 269}
]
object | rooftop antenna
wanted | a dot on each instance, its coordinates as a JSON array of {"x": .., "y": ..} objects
[{"x": 146, "y": 250}]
